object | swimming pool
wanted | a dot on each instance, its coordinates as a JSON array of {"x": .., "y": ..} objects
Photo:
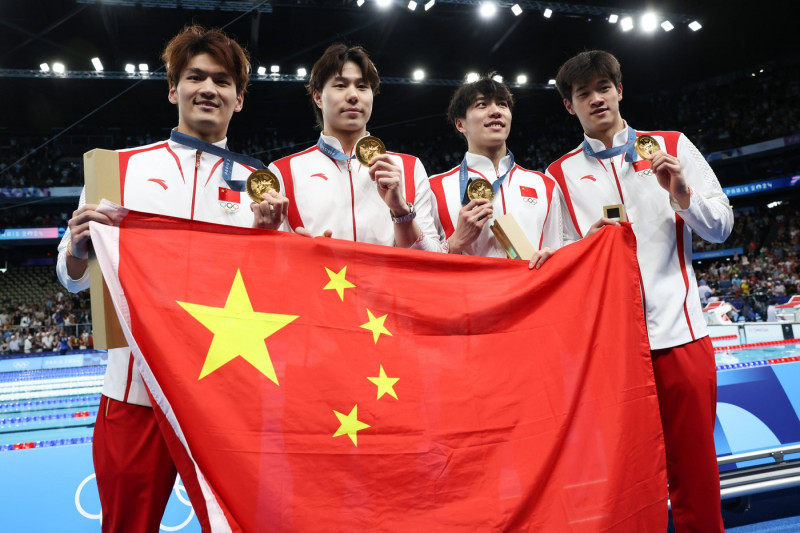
[{"x": 48, "y": 406}]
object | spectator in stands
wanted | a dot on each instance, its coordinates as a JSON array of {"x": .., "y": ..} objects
[
  {"x": 704, "y": 291},
  {"x": 14, "y": 345},
  {"x": 772, "y": 315}
]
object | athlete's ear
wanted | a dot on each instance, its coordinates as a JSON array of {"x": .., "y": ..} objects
[
  {"x": 619, "y": 91},
  {"x": 239, "y": 102},
  {"x": 173, "y": 94},
  {"x": 459, "y": 123},
  {"x": 317, "y": 96},
  {"x": 569, "y": 107}
]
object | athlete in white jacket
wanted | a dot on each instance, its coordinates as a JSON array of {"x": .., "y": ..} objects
[
  {"x": 481, "y": 111},
  {"x": 330, "y": 192},
  {"x": 667, "y": 197},
  {"x": 207, "y": 73}
]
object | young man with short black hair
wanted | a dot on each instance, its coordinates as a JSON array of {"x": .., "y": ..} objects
[
  {"x": 191, "y": 176},
  {"x": 387, "y": 201},
  {"x": 481, "y": 112},
  {"x": 667, "y": 195}
]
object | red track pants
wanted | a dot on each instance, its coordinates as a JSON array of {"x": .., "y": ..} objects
[
  {"x": 135, "y": 473},
  {"x": 686, "y": 380}
]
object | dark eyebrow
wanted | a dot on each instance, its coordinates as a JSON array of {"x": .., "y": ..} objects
[
  {"x": 218, "y": 73},
  {"x": 342, "y": 78}
]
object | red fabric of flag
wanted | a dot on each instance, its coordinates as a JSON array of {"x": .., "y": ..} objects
[{"x": 324, "y": 385}]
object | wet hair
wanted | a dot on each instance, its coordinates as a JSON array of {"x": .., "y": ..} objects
[
  {"x": 585, "y": 66},
  {"x": 331, "y": 63},
  {"x": 468, "y": 93},
  {"x": 195, "y": 40}
]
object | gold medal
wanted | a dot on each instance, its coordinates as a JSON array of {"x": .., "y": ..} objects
[
  {"x": 260, "y": 182},
  {"x": 480, "y": 188},
  {"x": 646, "y": 146},
  {"x": 367, "y": 148}
]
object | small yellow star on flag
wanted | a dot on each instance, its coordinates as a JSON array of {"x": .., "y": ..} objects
[
  {"x": 238, "y": 330},
  {"x": 385, "y": 384},
  {"x": 350, "y": 424},
  {"x": 338, "y": 282},
  {"x": 375, "y": 325}
]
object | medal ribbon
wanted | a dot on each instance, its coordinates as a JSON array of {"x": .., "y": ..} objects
[
  {"x": 227, "y": 155},
  {"x": 627, "y": 148},
  {"x": 333, "y": 153},
  {"x": 463, "y": 178}
]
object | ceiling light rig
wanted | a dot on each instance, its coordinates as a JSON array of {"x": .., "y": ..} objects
[{"x": 263, "y": 73}]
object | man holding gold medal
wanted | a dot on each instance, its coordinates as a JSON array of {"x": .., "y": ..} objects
[
  {"x": 348, "y": 186},
  {"x": 192, "y": 175},
  {"x": 488, "y": 188},
  {"x": 660, "y": 183}
]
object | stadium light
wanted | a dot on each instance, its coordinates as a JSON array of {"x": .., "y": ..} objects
[
  {"x": 694, "y": 25},
  {"x": 667, "y": 26},
  {"x": 412, "y": 5},
  {"x": 649, "y": 22},
  {"x": 548, "y": 13},
  {"x": 44, "y": 67},
  {"x": 516, "y": 10},
  {"x": 472, "y": 77},
  {"x": 612, "y": 18},
  {"x": 488, "y": 9},
  {"x": 275, "y": 69},
  {"x": 59, "y": 68},
  {"x": 262, "y": 70},
  {"x": 418, "y": 75},
  {"x": 129, "y": 68},
  {"x": 144, "y": 68},
  {"x": 360, "y": 3},
  {"x": 522, "y": 79},
  {"x": 98, "y": 66},
  {"x": 626, "y": 24},
  {"x": 301, "y": 72},
  {"x": 498, "y": 78},
  {"x": 384, "y": 4},
  {"x": 551, "y": 82},
  {"x": 430, "y": 4}
]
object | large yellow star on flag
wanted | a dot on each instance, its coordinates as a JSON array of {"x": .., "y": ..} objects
[
  {"x": 338, "y": 282},
  {"x": 375, "y": 325},
  {"x": 350, "y": 425},
  {"x": 238, "y": 331},
  {"x": 385, "y": 384}
]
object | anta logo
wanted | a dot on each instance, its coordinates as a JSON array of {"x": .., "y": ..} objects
[
  {"x": 160, "y": 182},
  {"x": 320, "y": 175},
  {"x": 589, "y": 177}
]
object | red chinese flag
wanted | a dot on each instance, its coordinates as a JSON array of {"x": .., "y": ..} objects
[
  {"x": 324, "y": 385},
  {"x": 528, "y": 192},
  {"x": 229, "y": 195}
]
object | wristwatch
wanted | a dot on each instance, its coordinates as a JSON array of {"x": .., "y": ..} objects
[{"x": 405, "y": 218}]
